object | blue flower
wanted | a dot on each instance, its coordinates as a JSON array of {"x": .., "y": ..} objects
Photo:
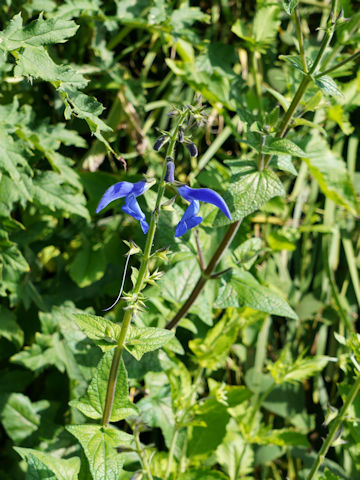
[
  {"x": 130, "y": 191},
  {"x": 194, "y": 196}
]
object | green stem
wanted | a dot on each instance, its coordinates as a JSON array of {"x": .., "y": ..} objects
[
  {"x": 257, "y": 80},
  {"x": 142, "y": 455},
  {"x": 110, "y": 391},
  {"x": 336, "y": 424},
  {"x": 338, "y": 65},
  {"x": 300, "y": 39},
  {"x": 171, "y": 454}
]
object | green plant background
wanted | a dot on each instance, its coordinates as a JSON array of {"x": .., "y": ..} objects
[{"x": 248, "y": 381}]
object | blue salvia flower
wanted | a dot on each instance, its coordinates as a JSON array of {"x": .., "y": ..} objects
[
  {"x": 130, "y": 191},
  {"x": 194, "y": 196}
]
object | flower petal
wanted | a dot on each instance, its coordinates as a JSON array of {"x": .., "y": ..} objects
[
  {"x": 189, "y": 219},
  {"x": 205, "y": 195},
  {"x": 120, "y": 190},
  {"x": 133, "y": 209}
]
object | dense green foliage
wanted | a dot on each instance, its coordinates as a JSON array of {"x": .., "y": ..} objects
[{"x": 255, "y": 376}]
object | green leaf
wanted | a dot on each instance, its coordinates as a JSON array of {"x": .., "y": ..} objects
[
  {"x": 50, "y": 191},
  {"x": 282, "y": 146},
  {"x": 87, "y": 108},
  {"x": 214, "y": 417},
  {"x": 18, "y": 415},
  {"x": 337, "y": 114},
  {"x": 89, "y": 264},
  {"x": 35, "y": 62},
  {"x": 213, "y": 350},
  {"x": 294, "y": 61},
  {"x": 102, "y": 330},
  {"x": 9, "y": 327},
  {"x": 328, "y": 86},
  {"x": 283, "y": 163},
  {"x": 234, "y": 454},
  {"x": 140, "y": 340},
  {"x": 38, "y": 32},
  {"x": 287, "y": 370},
  {"x": 246, "y": 253},
  {"x": 93, "y": 403},
  {"x": 266, "y": 24},
  {"x": 99, "y": 445},
  {"x": 243, "y": 290},
  {"x": 12, "y": 161},
  {"x": 331, "y": 173},
  {"x": 249, "y": 190},
  {"x": 289, "y": 5},
  {"x": 62, "y": 469},
  {"x": 156, "y": 406}
]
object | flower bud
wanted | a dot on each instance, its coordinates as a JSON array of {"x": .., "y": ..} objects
[
  {"x": 160, "y": 142},
  {"x": 170, "y": 169},
  {"x": 192, "y": 149},
  {"x": 181, "y": 135}
]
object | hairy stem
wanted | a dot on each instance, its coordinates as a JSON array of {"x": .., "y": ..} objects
[
  {"x": 300, "y": 39},
  {"x": 336, "y": 424},
  {"x": 110, "y": 391},
  {"x": 142, "y": 455}
]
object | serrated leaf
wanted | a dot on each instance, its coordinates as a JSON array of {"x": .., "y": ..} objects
[
  {"x": 9, "y": 328},
  {"x": 50, "y": 191},
  {"x": 93, "y": 403},
  {"x": 62, "y": 469},
  {"x": 102, "y": 330},
  {"x": 331, "y": 173},
  {"x": 140, "y": 340},
  {"x": 249, "y": 189},
  {"x": 328, "y": 86},
  {"x": 282, "y": 146},
  {"x": 99, "y": 445},
  {"x": 18, "y": 416},
  {"x": 87, "y": 108},
  {"x": 38, "y": 32},
  {"x": 293, "y": 60},
  {"x": 243, "y": 290},
  {"x": 35, "y": 62}
]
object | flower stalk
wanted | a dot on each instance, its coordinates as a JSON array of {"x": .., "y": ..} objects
[{"x": 131, "y": 312}]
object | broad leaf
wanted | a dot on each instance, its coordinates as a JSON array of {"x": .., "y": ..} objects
[
  {"x": 51, "y": 192},
  {"x": 243, "y": 290},
  {"x": 38, "y": 32},
  {"x": 89, "y": 264},
  {"x": 146, "y": 339},
  {"x": 93, "y": 403},
  {"x": 102, "y": 330},
  {"x": 328, "y": 86},
  {"x": 35, "y": 62},
  {"x": 249, "y": 189},
  {"x": 18, "y": 415},
  {"x": 282, "y": 146},
  {"x": 62, "y": 469},
  {"x": 99, "y": 445}
]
